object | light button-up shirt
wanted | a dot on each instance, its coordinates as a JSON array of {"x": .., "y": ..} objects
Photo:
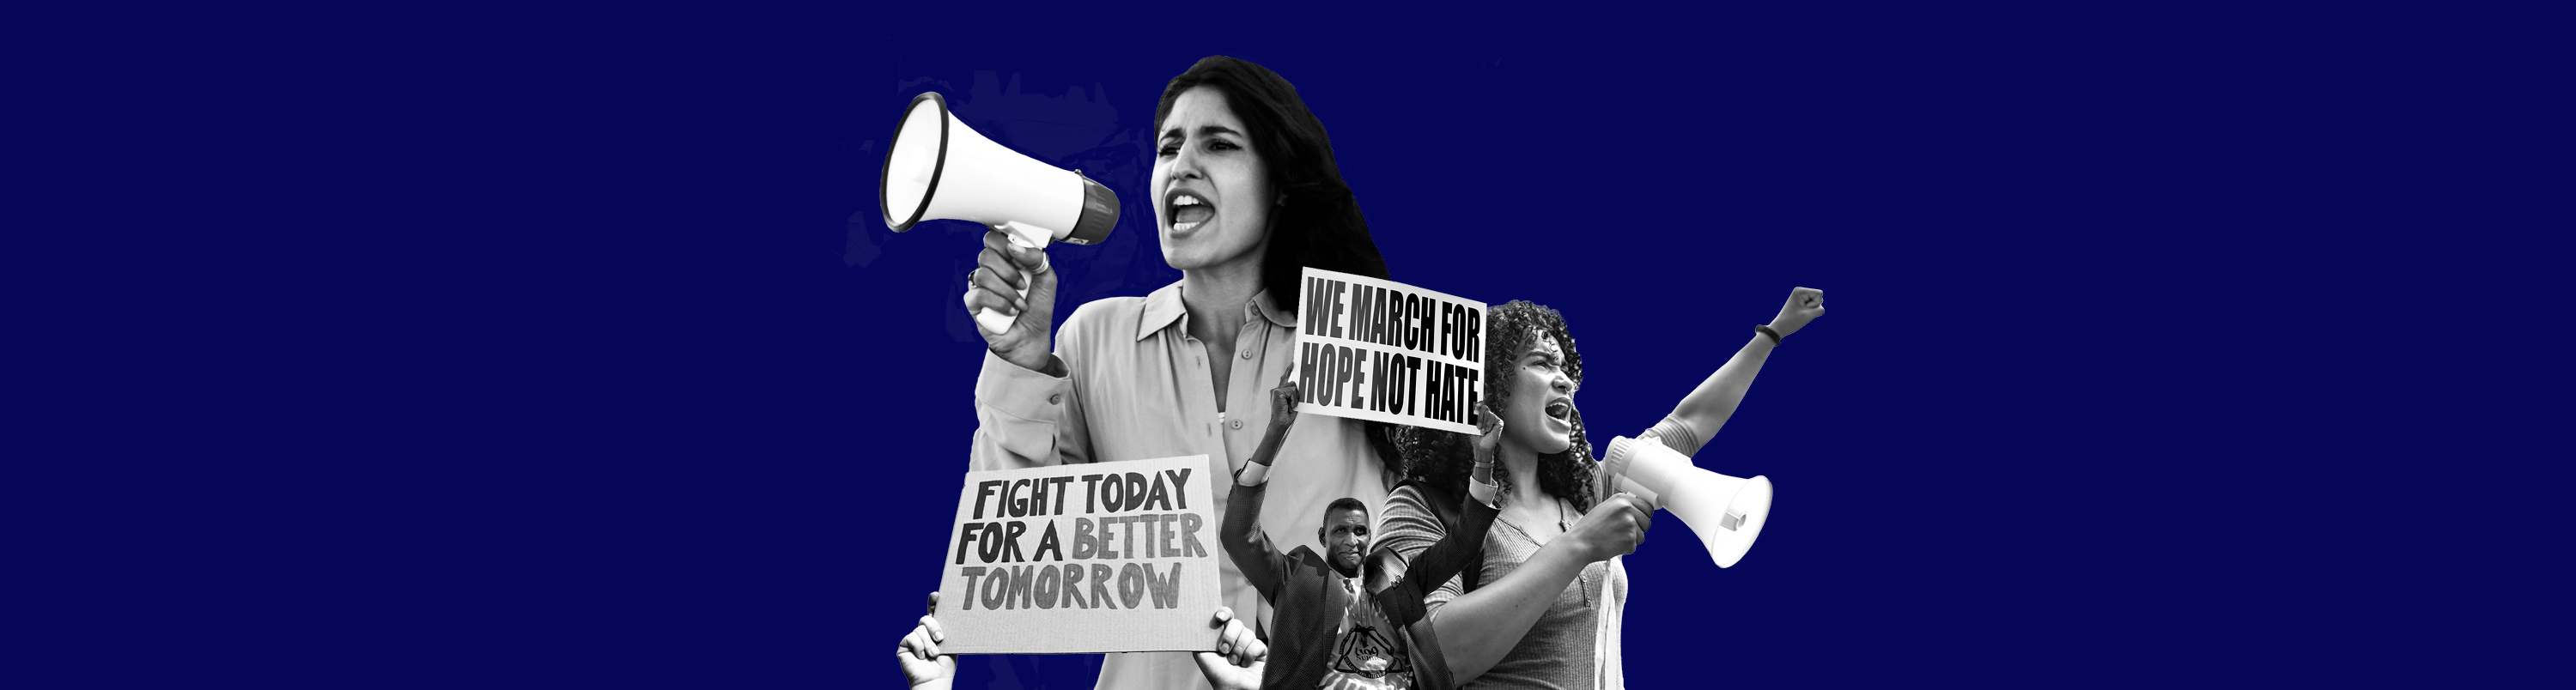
[{"x": 1137, "y": 386}]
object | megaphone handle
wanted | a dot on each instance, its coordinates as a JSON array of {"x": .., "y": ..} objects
[
  {"x": 1634, "y": 488},
  {"x": 995, "y": 321},
  {"x": 998, "y": 322}
]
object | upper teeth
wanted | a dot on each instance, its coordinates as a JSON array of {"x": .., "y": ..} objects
[{"x": 1186, "y": 200}]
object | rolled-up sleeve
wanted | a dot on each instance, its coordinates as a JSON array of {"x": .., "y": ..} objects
[
  {"x": 1410, "y": 528},
  {"x": 1026, "y": 418},
  {"x": 1254, "y": 555},
  {"x": 1671, "y": 432},
  {"x": 1675, "y": 435},
  {"x": 1017, "y": 413}
]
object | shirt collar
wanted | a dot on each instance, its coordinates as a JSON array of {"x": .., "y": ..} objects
[{"x": 1163, "y": 308}]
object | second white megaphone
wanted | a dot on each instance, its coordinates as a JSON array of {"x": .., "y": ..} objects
[
  {"x": 1727, "y": 513},
  {"x": 937, "y": 168}
]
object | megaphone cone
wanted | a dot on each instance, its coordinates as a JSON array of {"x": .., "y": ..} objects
[
  {"x": 1726, "y": 512},
  {"x": 937, "y": 168}
]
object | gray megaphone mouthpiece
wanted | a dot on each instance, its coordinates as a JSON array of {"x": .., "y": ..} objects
[
  {"x": 1726, "y": 512},
  {"x": 937, "y": 168}
]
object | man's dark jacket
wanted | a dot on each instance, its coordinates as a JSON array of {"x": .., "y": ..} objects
[{"x": 1307, "y": 596}]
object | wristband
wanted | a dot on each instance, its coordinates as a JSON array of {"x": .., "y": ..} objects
[
  {"x": 1484, "y": 492},
  {"x": 1765, "y": 329},
  {"x": 1252, "y": 474}
]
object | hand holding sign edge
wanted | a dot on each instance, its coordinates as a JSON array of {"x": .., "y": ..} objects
[
  {"x": 918, "y": 653},
  {"x": 1240, "y": 656}
]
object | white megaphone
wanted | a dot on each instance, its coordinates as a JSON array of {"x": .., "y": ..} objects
[
  {"x": 1727, "y": 513},
  {"x": 937, "y": 168}
]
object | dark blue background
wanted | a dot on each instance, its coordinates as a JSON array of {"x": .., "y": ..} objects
[{"x": 567, "y": 349}]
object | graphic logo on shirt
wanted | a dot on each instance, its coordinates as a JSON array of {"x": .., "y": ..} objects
[{"x": 1365, "y": 653}]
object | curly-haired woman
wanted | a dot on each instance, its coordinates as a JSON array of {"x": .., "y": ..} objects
[{"x": 1544, "y": 610}]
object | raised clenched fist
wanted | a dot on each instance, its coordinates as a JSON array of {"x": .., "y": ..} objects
[
  {"x": 1489, "y": 426},
  {"x": 1804, "y": 305},
  {"x": 1283, "y": 400}
]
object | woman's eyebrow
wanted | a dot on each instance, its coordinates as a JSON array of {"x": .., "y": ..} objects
[{"x": 1204, "y": 130}]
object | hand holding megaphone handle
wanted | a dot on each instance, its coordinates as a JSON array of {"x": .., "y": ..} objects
[
  {"x": 1614, "y": 527},
  {"x": 1024, "y": 236}
]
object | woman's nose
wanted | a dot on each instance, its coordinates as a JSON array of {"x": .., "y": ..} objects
[{"x": 1561, "y": 384}]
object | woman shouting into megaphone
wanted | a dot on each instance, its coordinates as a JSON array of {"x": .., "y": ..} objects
[
  {"x": 1543, "y": 610},
  {"x": 1245, "y": 192}
]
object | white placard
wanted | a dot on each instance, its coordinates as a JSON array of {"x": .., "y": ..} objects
[
  {"x": 1107, "y": 557},
  {"x": 1389, "y": 352}
]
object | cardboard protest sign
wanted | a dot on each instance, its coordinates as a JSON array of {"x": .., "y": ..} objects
[
  {"x": 1388, "y": 352},
  {"x": 1105, "y": 557}
]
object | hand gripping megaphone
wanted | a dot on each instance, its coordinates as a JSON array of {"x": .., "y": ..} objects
[
  {"x": 937, "y": 168},
  {"x": 1727, "y": 513}
]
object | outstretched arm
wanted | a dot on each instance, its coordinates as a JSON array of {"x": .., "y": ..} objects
[
  {"x": 1260, "y": 561},
  {"x": 1707, "y": 408}
]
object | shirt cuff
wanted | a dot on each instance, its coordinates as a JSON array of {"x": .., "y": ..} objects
[
  {"x": 1252, "y": 474},
  {"x": 1012, "y": 390},
  {"x": 1483, "y": 491}
]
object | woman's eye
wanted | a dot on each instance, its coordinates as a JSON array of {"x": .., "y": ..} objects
[
  {"x": 1169, "y": 150},
  {"x": 1222, "y": 145}
]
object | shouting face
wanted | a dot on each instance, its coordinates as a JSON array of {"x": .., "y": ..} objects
[
  {"x": 1540, "y": 416},
  {"x": 1213, "y": 198}
]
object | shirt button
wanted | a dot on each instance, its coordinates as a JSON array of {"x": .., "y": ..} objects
[
  {"x": 1056, "y": 399},
  {"x": 1247, "y": 353},
  {"x": 1237, "y": 423}
]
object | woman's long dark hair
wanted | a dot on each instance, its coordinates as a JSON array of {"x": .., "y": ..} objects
[
  {"x": 1320, "y": 224},
  {"x": 1442, "y": 459}
]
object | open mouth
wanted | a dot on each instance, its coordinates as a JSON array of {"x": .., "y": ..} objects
[
  {"x": 1186, "y": 210},
  {"x": 1562, "y": 410}
]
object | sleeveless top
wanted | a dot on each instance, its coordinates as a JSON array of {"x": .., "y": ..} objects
[
  {"x": 1565, "y": 647},
  {"x": 1575, "y": 644}
]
